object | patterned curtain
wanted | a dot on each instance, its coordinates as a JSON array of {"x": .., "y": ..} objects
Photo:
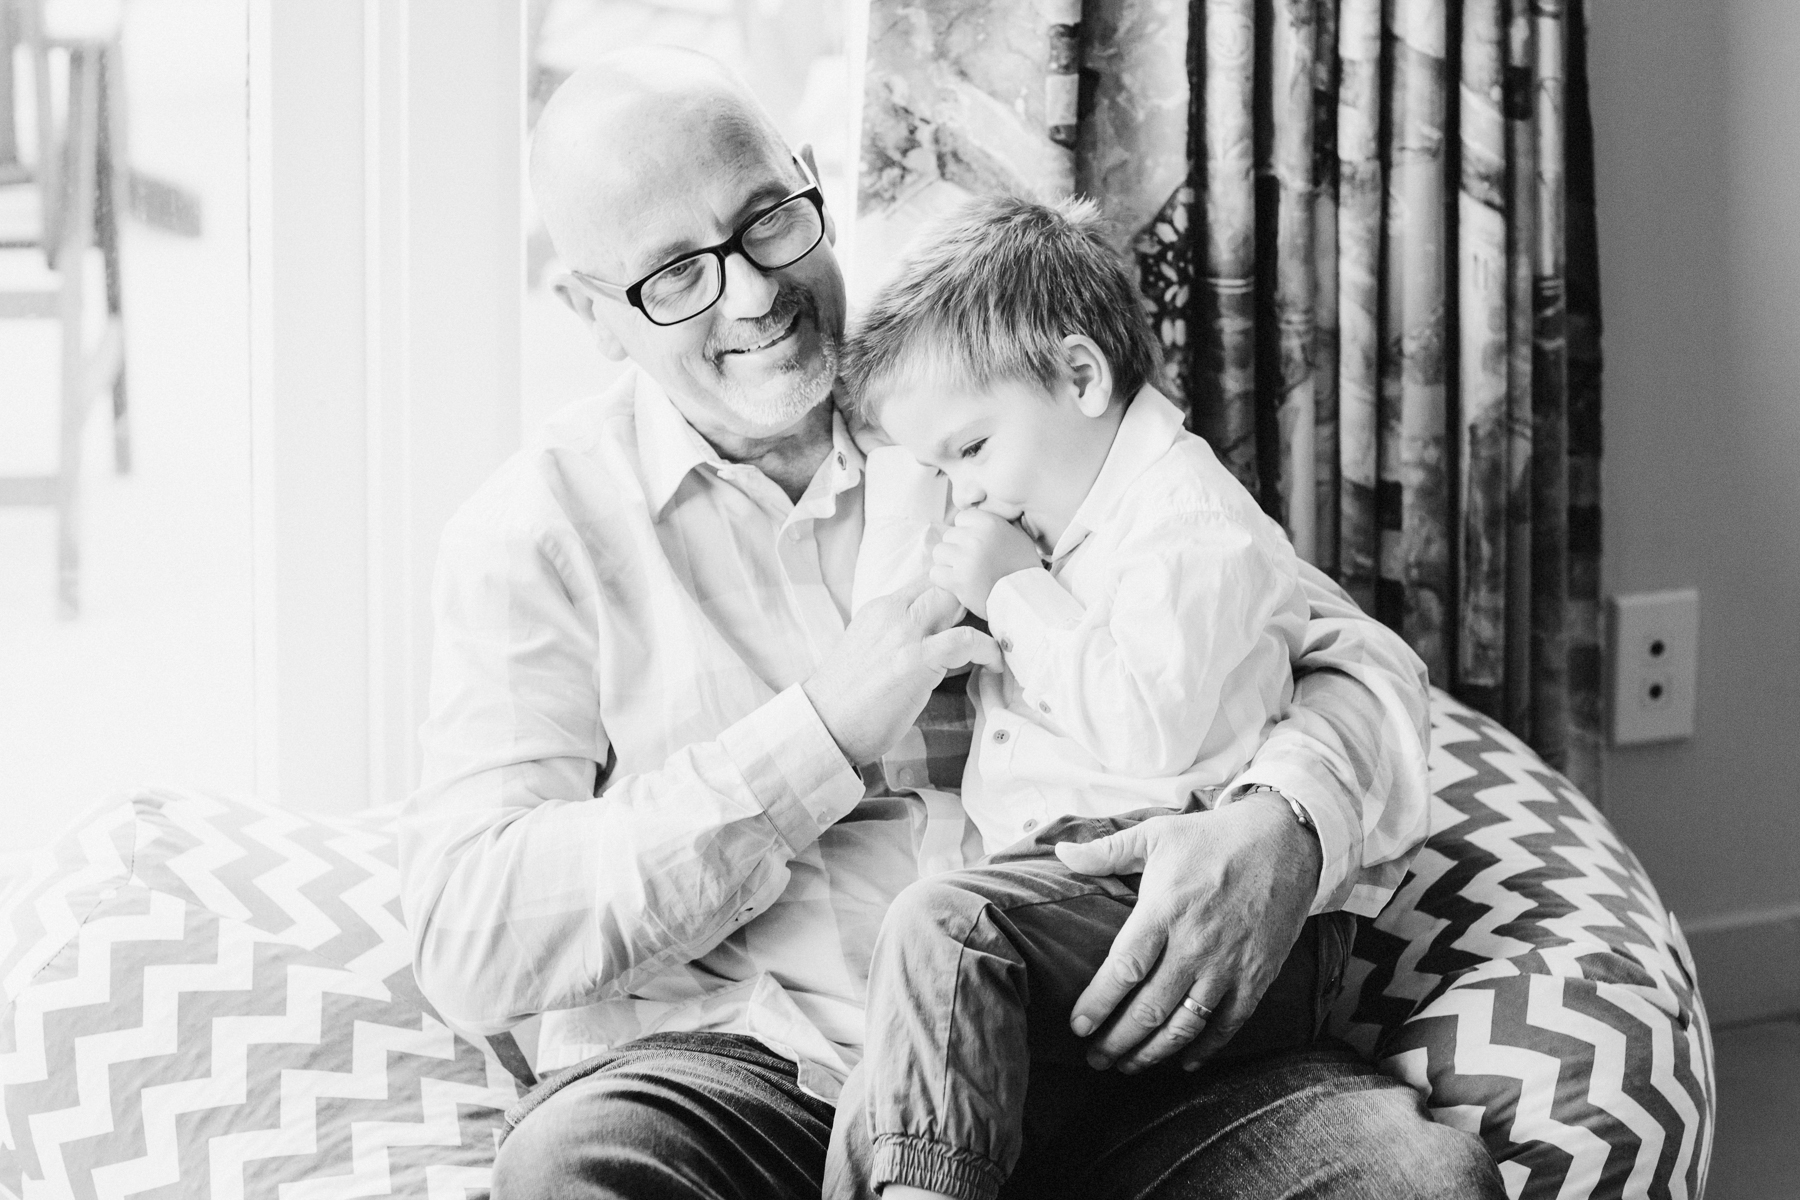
[{"x": 1364, "y": 230}]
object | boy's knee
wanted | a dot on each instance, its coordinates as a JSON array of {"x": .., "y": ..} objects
[{"x": 946, "y": 906}]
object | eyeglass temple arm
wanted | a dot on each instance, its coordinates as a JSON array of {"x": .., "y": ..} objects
[{"x": 611, "y": 289}]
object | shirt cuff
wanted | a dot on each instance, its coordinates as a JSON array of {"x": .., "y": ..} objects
[
  {"x": 1025, "y": 609},
  {"x": 1332, "y": 819},
  {"x": 793, "y": 767}
]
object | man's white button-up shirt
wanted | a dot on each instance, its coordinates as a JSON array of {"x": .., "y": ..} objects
[{"x": 631, "y": 817}]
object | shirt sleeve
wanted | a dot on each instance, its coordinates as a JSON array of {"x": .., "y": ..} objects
[
  {"x": 904, "y": 507},
  {"x": 1200, "y": 610},
  {"x": 1352, "y": 750},
  {"x": 523, "y": 890}
]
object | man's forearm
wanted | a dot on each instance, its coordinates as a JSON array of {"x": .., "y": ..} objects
[
  {"x": 520, "y": 901},
  {"x": 1352, "y": 750}
]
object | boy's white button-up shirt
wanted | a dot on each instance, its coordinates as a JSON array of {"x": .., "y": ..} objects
[
  {"x": 1150, "y": 658},
  {"x": 632, "y": 819}
]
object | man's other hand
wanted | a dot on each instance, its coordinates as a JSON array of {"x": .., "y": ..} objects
[
  {"x": 896, "y": 649},
  {"x": 1223, "y": 897}
]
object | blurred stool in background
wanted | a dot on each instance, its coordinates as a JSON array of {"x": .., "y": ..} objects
[{"x": 75, "y": 183}]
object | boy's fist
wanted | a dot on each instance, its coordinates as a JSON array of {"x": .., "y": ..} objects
[{"x": 978, "y": 551}]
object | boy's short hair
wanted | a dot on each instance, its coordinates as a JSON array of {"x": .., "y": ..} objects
[{"x": 991, "y": 296}]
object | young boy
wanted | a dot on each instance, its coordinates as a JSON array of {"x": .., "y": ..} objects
[{"x": 1147, "y": 611}]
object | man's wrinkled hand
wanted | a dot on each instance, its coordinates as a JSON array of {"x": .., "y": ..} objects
[
  {"x": 895, "y": 650},
  {"x": 1223, "y": 897},
  {"x": 978, "y": 551}
]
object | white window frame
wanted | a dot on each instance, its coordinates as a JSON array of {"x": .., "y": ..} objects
[{"x": 386, "y": 276}]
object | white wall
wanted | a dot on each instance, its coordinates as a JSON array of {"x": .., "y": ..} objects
[{"x": 1697, "y": 123}]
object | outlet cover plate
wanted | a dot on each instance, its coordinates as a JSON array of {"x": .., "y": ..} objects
[{"x": 1654, "y": 651}]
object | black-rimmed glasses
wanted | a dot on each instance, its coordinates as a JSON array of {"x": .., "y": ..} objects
[{"x": 770, "y": 238}]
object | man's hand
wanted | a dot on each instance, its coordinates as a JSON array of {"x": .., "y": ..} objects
[
  {"x": 977, "y": 552},
  {"x": 894, "y": 651},
  {"x": 1222, "y": 900}
]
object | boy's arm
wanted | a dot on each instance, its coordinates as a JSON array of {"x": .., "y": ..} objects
[{"x": 1186, "y": 660}]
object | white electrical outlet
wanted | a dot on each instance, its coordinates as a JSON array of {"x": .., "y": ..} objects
[{"x": 1654, "y": 654}]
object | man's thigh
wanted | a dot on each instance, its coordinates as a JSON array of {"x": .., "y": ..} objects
[
  {"x": 1313, "y": 1124},
  {"x": 668, "y": 1117}
]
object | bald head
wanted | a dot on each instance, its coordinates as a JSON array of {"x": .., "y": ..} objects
[
  {"x": 632, "y": 123},
  {"x": 649, "y": 159}
]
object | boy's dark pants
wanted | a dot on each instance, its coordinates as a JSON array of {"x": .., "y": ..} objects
[{"x": 974, "y": 976}]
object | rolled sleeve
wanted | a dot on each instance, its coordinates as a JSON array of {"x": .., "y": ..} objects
[
  {"x": 791, "y": 764},
  {"x": 1334, "y": 820},
  {"x": 1352, "y": 750}
]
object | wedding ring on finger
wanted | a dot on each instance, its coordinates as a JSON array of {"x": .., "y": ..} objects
[{"x": 1198, "y": 1009}]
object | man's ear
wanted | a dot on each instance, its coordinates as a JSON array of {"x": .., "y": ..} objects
[
  {"x": 1090, "y": 373},
  {"x": 581, "y": 302},
  {"x": 806, "y": 156}
]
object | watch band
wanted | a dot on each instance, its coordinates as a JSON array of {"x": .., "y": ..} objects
[{"x": 1300, "y": 813}]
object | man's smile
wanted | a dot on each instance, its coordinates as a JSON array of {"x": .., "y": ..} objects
[{"x": 781, "y": 335}]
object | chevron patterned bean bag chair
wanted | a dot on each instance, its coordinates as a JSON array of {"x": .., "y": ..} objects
[
  {"x": 207, "y": 998},
  {"x": 1529, "y": 983}
]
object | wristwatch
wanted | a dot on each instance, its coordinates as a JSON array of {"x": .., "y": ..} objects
[{"x": 1300, "y": 813}]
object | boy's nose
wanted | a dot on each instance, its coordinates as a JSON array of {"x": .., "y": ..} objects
[{"x": 966, "y": 493}]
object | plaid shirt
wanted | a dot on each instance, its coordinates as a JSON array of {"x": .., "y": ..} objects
[{"x": 633, "y": 820}]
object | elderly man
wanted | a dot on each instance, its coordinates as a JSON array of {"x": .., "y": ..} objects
[{"x": 671, "y": 786}]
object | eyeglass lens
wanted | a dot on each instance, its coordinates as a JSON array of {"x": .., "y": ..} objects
[{"x": 778, "y": 238}]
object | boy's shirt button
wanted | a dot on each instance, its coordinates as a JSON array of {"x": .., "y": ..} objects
[
  {"x": 1000, "y": 735},
  {"x": 1006, "y": 645}
]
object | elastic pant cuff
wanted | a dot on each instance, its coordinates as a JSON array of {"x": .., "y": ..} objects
[{"x": 919, "y": 1162}]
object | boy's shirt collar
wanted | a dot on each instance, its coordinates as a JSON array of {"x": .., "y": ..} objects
[{"x": 1150, "y": 426}]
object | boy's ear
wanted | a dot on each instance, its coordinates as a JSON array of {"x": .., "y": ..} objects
[
  {"x": 1091, "y": 374},
  {"x": 581, "y": 302}
]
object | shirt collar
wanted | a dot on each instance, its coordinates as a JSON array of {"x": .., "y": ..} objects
[
  {"x": 669, "y": 449},
  {"x": 1150, "y": 426}
]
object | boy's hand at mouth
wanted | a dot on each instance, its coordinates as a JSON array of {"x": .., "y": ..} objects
[{"x": 977, "y": 552}]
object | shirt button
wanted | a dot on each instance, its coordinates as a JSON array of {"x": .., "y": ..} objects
[
  {"x": 1031, "y": 825},
  {"x": 1043, "y": 706},
  {"x": 840, "y": 460},
  {"x": 1006, "y": 645},
  {"x": 1000, "y": 735}
]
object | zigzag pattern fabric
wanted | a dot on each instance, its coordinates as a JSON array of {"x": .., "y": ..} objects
[
  {"x": 209, "y": 998},
  {"x": 214, "y": 999},
  {"x": 1529, "y": 982}
]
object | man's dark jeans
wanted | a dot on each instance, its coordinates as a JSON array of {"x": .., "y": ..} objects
[
  {"x": 715, "y": 1116},
  {"x": 711, "y": 1116}
]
